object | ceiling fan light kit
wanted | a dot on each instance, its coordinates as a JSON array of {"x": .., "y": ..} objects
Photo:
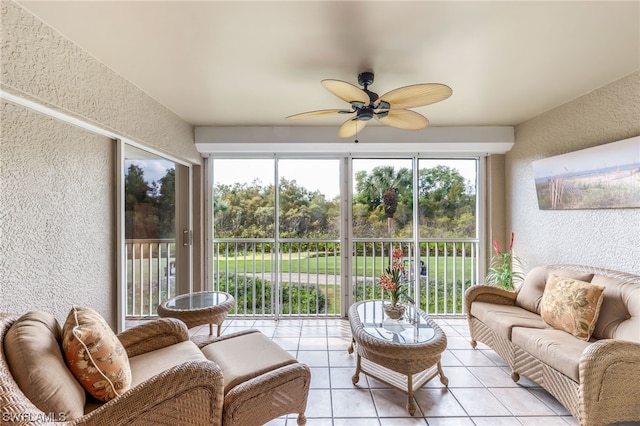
[{"x": 390, "y": 109}]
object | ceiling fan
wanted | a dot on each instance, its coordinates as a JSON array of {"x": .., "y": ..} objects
[{"x": 390, "y": 109}]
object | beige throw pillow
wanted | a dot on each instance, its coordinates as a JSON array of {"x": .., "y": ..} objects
[
  {"x": 571, "y": 305},
  {"x": 34, "y": 356},
  {"x": 94, "y": 354}
]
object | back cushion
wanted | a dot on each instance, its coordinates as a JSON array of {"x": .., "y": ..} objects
[
  {"x": 531, "y": 291},
  {"x": 32, "y": 348},
  {"x": 620, "y": 310}
]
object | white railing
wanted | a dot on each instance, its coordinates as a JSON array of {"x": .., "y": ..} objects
[
  {"x": 150, "y": 274},
  {"x": 302, "y": 277}
]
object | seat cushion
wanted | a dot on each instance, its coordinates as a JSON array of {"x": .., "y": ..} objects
[
  {"x": 149, "y": 364},
  {"x": 556, "y": 348},
  {"x": 34, "y": 356},
  {"x": 502, "y": 318},
  {"x": 246, "y": 356},
  {"x": 571, "y": 305},
  {"x": 94, "y": 354}
]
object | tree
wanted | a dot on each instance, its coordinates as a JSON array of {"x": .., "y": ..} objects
[
  {"x": 385, "y": 188},
  {"x": 166, "y": 201}
]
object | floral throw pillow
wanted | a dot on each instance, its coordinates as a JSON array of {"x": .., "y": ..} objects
[
  {"x": 571, "y": 305},
  {"x": 95, "y": 355}
]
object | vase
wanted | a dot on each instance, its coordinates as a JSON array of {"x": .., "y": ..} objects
[{"x": 394, "y": 311}]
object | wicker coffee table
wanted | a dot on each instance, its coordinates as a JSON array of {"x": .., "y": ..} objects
[
  {"x": 206, "y": 307},
  {"x": 403, "y": 353}
]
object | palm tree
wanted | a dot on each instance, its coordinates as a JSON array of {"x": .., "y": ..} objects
[{"x": 381, "y": 188}]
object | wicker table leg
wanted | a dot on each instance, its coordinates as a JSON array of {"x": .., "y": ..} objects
[{"x": 356, "y": 376}]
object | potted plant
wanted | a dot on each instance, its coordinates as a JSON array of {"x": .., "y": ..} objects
[
  {"x": 394, "y": 286},
  {"x": 501, "y": 268}
]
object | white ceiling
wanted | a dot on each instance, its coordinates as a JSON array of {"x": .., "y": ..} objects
[{"x": 241, "y": 63}]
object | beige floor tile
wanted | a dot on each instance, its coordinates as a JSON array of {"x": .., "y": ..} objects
[
  {"x": 314, "y": 358},
  {"x": 479, "y": 402},
  {"x": 356, "y": 422},
  {"x": 341, "y": 378},
  {"x": 472, "y": 357},
  {"x": 312, "y": 422},
  {"x": 338, "y": 343},
  {"x": 342, "y": 359},
  {"x": 449, "y": 421},
  {"x": 288, "y": 343},
  {"x": 459, "y": 342},
  {"x": 496, "y": 421},
  {"x": 459, "y": 377},
  {"x": 392, "y": 403},
  {"x": 550, "y": 401},
  {"x": 411, "y": 421},
  {"x": 319, "y": 403},
  {"x": 542, "y": 421},
  {"x": 320, "y": 378},
  {"x": 493, "y": 377},
  {"x": 521, "y": 402},
  {"x": 438, "y": 403},
  {"x": 313, "y": 344},
  {"x": 353, "y": 403},
  {"x": 287, "y": 332},
  {"x": 447, "y": 359}
]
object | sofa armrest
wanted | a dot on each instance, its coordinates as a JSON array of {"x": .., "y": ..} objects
[
  {"x": 189, "y": 393},
  {"x": 153, "y": 335},
  {"x": 610, "y": 377},
  {"x": 488, "y": 293}
]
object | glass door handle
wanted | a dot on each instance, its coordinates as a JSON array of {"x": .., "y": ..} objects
[{"x": 187, "y": 237}]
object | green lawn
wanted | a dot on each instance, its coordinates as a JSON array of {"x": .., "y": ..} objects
[{"x": 331, "y": 265}]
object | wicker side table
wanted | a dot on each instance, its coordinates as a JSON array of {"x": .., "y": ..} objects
[
  {"x": 206, "y": 307},
  {"x": 403, "y": 353}
]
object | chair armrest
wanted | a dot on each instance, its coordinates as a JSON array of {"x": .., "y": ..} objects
[
  {"x": 488, "y": 293},
  {"x": 202, "y": 340},
  {"x": 190, "y": 393},
  {"x": 611, "y": 369},
  {"x": 153, "y": 335}
]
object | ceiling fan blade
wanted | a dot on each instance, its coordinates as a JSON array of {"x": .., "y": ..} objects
[
  {"x": 319, "y": 113},
  {"x": 416, "y": 95},
  {"x": 404, "y": 119},
  {"x": 346, "y": 91},
  {"x": 351, "y": 127}
]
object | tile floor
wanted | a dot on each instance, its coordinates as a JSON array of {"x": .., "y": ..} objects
[{"x": 480, "y": 391}]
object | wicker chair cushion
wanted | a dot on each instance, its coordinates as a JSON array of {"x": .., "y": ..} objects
[
  {"x": 556, "y": 348},
  {"x": 32, "y": 348},
  {"x": 149, "y": 364},
  {"x": 571, "y": 305},
  {"x": 244, "y": 357},
  {"x": 620, "y": 310},
  {"x": 531, "y": 291},
  {"x": 94, "y": 354},
  {"x": 502, "y": 318}
]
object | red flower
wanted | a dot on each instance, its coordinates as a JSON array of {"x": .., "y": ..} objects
[
  {"x": 496, "y": 247},
  {"x": 511, "y": 244}
]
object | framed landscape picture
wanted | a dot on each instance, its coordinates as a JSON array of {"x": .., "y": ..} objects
[{"x": 602, "y": 177}]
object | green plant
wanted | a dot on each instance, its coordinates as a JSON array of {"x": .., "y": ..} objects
[{"x": 501, "y": 268}]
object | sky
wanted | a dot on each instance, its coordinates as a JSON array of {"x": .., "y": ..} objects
[{"x": 321, "y": 175}]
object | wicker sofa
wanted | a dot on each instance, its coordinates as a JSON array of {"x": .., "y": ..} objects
[
  {"x": 597, "y": 380},
  {"x": 175, "y": 380}
]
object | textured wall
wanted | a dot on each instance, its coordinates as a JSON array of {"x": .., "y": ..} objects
[
  {"x": 57, "y": 217},
  {"x": 57, "y": 189},
  {"x": 41, "y": 64},
  {"x": 606, "y": 238}
]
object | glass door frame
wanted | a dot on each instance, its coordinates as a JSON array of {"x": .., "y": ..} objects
[{"x": 183, "y": 220}]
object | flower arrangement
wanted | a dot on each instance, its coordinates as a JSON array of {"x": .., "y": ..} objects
[
  {"x": 501, "y": 271},
  {"x": 392, "y": 281}
]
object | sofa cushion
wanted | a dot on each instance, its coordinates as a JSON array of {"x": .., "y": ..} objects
[
  {"x": 531, "y": 291},
  {"x": 94, "y": 354},
  {"x": 32, "y": 348},
  {"x": 571, "y": 305},
  {"x": 502, "y": 318},
  {"x": 620, "y": 311},
  {"x": 150, "y": 364},
  {"x": 246, "y": 356},
  {"x": 556, "y": 348}
]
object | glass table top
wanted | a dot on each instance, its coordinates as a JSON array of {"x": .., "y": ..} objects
[
  {"x": 412, "y": 328},
  {"x": 197, "y": 300}
]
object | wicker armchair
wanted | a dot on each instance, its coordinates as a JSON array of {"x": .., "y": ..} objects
[{"x": 191, "y": 393}]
